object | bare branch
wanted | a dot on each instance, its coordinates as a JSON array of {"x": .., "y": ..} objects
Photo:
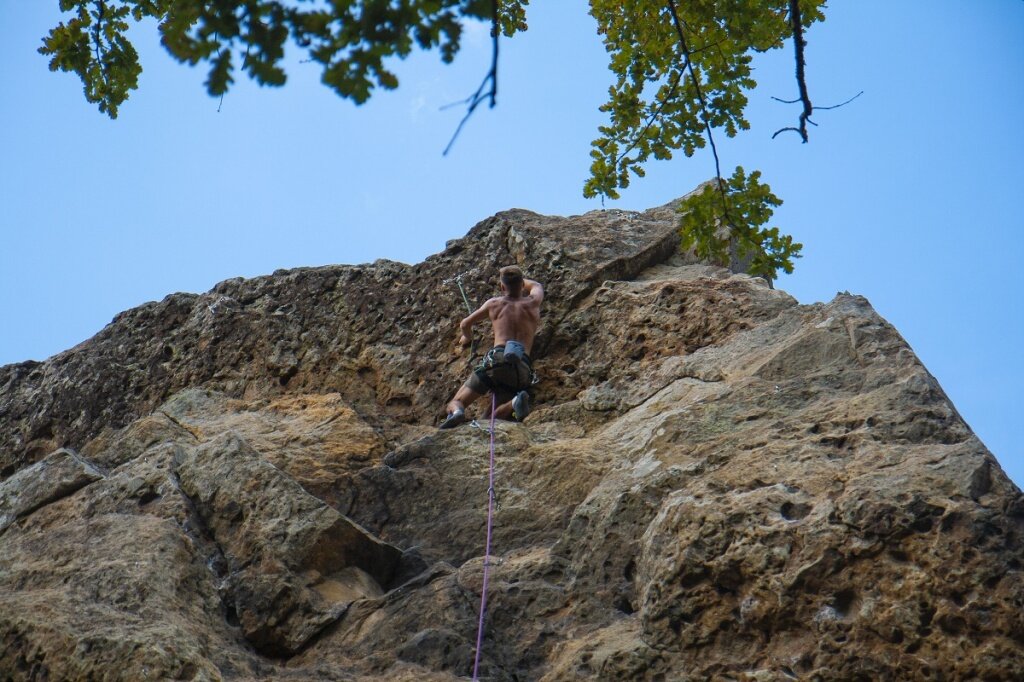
[
  {"x": 817, "y": 108},
  {"x": 799, "y": 44},
  {"x": 482, "y": 93},
  {"x": 802, "y": 131},
  {"x": 782, "y": 130},
  {"x": 841, "y": 104}
]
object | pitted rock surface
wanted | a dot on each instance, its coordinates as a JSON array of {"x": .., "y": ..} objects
[
  {"x": 717, "y": 484},
  {"x": 379, "y": 334}
]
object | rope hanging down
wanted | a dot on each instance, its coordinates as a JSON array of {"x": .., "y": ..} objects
[
  {"x": 487, "y": 548},
  {"x": 490, "y": 501},
  {"x": 469, "y": 309}
]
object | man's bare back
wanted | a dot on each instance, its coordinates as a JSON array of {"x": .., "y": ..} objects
[{"x": 513, "y": 318}]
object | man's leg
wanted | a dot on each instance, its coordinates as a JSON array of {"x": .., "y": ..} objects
[
  {"x": 515, "y": 409},
  {"x": 464, "y": 397},
  {"x": 514, "y": 403},
  {"x": 504, "y": 411},
  {"x": 457, "y": 407}
]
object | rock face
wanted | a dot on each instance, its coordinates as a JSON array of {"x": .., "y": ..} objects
[{"x": 717, "y": 484}]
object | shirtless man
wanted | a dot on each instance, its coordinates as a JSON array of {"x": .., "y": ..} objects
[{"x": 506, "y": 370}]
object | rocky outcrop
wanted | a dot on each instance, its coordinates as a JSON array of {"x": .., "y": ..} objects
[
  {"x": 380, "y": 335},
  {"x": 293, "y": 563},
  {"x": 60, "y": 474},
  {"x": 717, "y": 484}
]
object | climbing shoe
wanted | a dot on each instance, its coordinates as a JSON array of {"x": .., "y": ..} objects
[
  {"x": 456, "y": 418},
  {"x": 521, "y": 405}
]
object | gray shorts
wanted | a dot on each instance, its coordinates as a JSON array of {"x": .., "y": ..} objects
[{"x": 505, "y": 379}]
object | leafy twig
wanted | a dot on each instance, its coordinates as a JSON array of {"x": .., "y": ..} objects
[
  {"x": 703, "y": 106},
  {"x": 654, "y": 117},
  {"x": 736, "y": 229},
  {"x": 656, "y": 113},
  {"x": 97, "y": 37}
]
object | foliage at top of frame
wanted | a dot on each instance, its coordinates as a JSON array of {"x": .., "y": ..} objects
[
  {"x": 351, "y": 39},
  {"x": 682, "y": 70}
]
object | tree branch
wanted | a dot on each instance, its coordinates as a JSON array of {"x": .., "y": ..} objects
[
  {"x": 783, "y": 130},
  {"x": 841, "y": 104},
  {"x": 482, "y": 94},
  {"x": 719, "y": 181},
  {"x": 703, "y": 106},
  {"x": 101, "y": 10},
  {"x": 799, "y": 44},
  {"x": 654, "y": 116},
  {"x": 661, "y": 105},
  {"x": 798, "y": 130}
]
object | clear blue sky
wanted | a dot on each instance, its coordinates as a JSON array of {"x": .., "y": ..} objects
[{"x": 911, "y": 195}]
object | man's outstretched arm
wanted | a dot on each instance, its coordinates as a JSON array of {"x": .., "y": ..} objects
[{"x": 466, "y": 326}]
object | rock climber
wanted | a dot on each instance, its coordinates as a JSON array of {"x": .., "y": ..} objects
[{"x": 506, "y": 370}]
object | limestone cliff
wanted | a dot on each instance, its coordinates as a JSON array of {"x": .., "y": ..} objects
[{"x": 717, "y": 483}]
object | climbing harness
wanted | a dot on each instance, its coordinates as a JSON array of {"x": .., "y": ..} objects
[
  {"x": 511, "y": 374},
  {"x": 487, "y": 547}
]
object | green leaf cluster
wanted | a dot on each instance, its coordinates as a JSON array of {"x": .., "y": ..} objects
[
  {"x": 682, "y": 71},
  {"x": 654, "y": 106},
  {"x": 352, "y": 40},
  {"x": 726, "y": 218},
  {"x": 92, "y": 44}
]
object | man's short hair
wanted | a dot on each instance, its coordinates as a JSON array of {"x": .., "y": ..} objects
[{"x": 511, "y": 275}]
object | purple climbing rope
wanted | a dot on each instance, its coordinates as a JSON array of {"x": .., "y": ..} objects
[{"x": 487, "y": 549}]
